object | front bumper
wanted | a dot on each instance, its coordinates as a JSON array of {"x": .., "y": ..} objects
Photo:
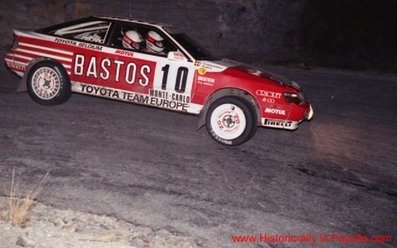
[
  {"x": 288, "y": 124},
  {"x": 282, "y": 124}
]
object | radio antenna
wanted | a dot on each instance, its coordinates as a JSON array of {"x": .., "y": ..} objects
[{"x": 130, "y": 9}]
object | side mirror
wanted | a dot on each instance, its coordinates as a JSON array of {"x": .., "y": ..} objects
[{"x": 177, "y": 56}]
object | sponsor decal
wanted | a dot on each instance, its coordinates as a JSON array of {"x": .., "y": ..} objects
[
  {"x": 16, "y": 66},
  {"x": 151, "y": 99},
  {"x": 79, "y": 44},
  {"x": 100, "y": 91},
  {"x": 124, "y": 53},
  {"x": 198, "y": 63},
  {"x": 169, "y": 96},
  {"x": 268, "y": 100},
  {"x": 268, "y": 94},
  {"x": 178, "y": 56},
  {"x": 212, "y": 66},
  {"x": 114, "y": 70},
  {"x": 90, "y": 46},
  {"x": 275, "y": 111},
  {"x": 66, "y": 42},
  {"x": 277, "y": 124},
  {"x": 201, "y": 70},
  {"x": 205, "y": 80}
]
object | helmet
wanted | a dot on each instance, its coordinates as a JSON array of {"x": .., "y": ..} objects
[
  {"x": 132, "y": 40},
  {"x": 154, "y": 42}
]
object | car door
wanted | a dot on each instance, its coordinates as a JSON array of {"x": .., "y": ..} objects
[
  {"x": 173, "y": 82},
  {"x": 127, "y": 72},
  {"x": 161, "y": 79},
  {"x": 87, "y": 39}
]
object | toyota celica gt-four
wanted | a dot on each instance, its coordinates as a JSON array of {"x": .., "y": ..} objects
[{"x": 155, "y": 65}]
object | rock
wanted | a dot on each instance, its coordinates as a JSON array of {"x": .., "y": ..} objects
[
  {"x": 163, "y": 233},
  {"x": 104, "y": 226},
  {"x": 24, "y": 242},
  {"x": 107, "y": 237},
  {"x": 137, "y": 243}
]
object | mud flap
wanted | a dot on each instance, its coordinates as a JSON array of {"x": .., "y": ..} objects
[
  {"x": 201, "y": 119},
  {"x": 22, "y": 85}
]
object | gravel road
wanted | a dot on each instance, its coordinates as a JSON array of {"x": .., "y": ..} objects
[{"x": 334, "y": 177}]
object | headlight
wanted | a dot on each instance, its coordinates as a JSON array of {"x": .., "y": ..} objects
[{"x": 296, "y": 98}]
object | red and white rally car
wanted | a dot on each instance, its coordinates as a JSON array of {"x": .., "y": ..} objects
[{"x": 155, "y": 65}]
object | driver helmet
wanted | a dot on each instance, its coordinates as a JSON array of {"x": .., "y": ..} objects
[
  {"x": 154, "y": 42},
  {"x": 132, "y": 40}
]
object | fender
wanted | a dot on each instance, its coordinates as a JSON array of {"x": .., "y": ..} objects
[
  {"x": 23, "y": 83},
  {"x": 228, "y": 92}
]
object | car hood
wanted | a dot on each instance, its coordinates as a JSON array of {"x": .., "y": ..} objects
[{"x": 260, "y": 73}]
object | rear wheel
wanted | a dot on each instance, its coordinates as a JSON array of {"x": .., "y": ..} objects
[
  {"x": 231, "y": 121},
  {"x": 48, "y": 83}
]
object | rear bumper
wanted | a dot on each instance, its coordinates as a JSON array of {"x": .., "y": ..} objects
[{"x": 12, "y": 65}]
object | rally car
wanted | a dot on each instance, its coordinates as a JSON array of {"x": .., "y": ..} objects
[{"x": 155, "y": 65}]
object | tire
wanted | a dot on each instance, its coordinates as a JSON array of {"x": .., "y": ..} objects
[
  {"x": 231, "y": 121},
  {"x": 48, "y": 83}
]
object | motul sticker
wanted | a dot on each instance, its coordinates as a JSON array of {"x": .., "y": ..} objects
[{"x": 275, "y": 111}]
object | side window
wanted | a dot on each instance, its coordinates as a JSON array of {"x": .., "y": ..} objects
[
  {"x": 127, "y": 37},
  {"x": 141, "y": 38},
  {"x": 92, "y": 31}
]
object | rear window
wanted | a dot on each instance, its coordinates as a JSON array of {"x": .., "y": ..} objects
[{"x": 90, "y": 30}]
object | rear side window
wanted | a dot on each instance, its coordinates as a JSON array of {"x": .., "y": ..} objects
[{"x": 94, "y": 31}]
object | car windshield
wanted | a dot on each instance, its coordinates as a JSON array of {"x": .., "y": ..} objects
[{"x": 192, "y": 47}]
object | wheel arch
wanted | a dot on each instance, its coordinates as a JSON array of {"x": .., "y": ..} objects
[
  {"x": 233, "y": 92},
  {"x": 23, "y": 83}
]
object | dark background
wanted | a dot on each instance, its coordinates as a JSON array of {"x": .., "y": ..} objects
[
  {"x": 335, "y": 174},
  {"x": 354, "y": 34}
]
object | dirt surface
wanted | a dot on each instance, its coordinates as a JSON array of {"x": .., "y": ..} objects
[
  {"x": 49, "y": 227},
  {"x": 336, "y": 176}
]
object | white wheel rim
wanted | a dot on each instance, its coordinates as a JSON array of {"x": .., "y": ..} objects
[
  {"x": 46, "y": 83},
  {"x": 228, "y": 121}
]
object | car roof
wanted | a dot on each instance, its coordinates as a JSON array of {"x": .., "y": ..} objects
[
  {"x": 149, "y": 23},
  {"x": 108, "y": 18}
]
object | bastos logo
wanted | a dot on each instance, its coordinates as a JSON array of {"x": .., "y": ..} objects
[{"x": 138, "y": 73}]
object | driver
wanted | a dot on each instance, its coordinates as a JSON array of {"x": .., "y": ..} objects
[
  {"x": 133, "y": 40},
  {"x": 154, "y": 43}
]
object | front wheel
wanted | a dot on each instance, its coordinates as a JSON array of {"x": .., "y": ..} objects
[
  {"x": 48, "y": 83},
  {"x": 231, "y": 121}
]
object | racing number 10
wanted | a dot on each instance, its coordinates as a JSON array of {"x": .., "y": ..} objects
[{"x": 181, "y": 78}]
